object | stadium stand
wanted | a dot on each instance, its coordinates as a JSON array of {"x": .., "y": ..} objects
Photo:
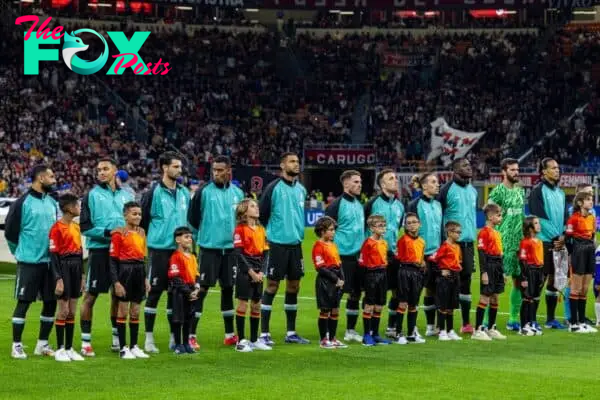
[{"x": 228, "y": 91}]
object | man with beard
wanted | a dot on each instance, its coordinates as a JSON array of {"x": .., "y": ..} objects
[
  {"x": 164, "y": 209},
  {"x": 511, "y": 197},
  {"x": 387, "y": 205},
  {"x": 349, "y": 214},
  {"x": 282, "y": 212},
  {"x": 212, "y": 214},
  {"x": 429, "y": 211},
  {"x": 27, "y": 232},
  {"x": 101, "y": 216},
  {"x": 547, "y": 202},
  {"x": 458, "y": 198}
]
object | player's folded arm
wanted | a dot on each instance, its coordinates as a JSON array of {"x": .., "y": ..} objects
[{"x": 87, "y": 226}]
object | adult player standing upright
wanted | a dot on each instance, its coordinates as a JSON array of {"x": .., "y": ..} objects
[
  {"x": 349, "y": 214},
  {"x": 27, "y": 231},
  {"x": 458, "y": 198},
  {"x": 547, "y": 202},
  {"x": 212, "y": 214},
  {"x": 511, "y": 197},
  {"x": 101, "y": 216},
  {"x": 164, "y": 209},
  {"x": 429, "y": 211},
  {"x": 387, "y": 205},
  {"x": 282, "y": 212}
]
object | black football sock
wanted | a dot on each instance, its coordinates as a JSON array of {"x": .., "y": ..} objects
[
  {"x": 429, "y": 307},
  {"x": 351, "y": 314},
  {"x": 134, "y": 327},
  {"x": 573, "y": 302},
  {"x": 400, "y": 320},
  {"x": 333, "y": 323},
  {"x": 254, "y": 322},
  {"x": 493, "y": 314},
  {"x": 69, "y": 333},
  {"x": 122, "y": 330},
  {"x": 265, "y": 311},
  {"x": 412, "y": 322},
  {"x": 47, "y": 319},
  {"x": 60, "y": 333},
  {"x": 240, "y": 323},
  {"x": 322, "y": 323},
  {"x": 375, "y": 323},
  {"x": 479, "y": 314},
  {"x": 291, "y": 310}
]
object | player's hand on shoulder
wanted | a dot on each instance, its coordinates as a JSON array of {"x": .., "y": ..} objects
[
  {"x": 524, "y": 284},
  {"x": 140, "y": 231},
  {"x": 340, "y": 283}
]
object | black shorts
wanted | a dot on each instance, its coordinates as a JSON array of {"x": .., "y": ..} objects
[
  {"x": 71, "y": 271},
  {"x": 446, "y": 291},
  {"x": 217, "y": 264},
  {"x": 392, "y": 272},
  {"x": 285, "y": 262},
  {"x": 133, "y": 278},
  {"x": 375, "y": 284},
  {"x": 183, "y": 308},
  {"x": 548, "y": 259},
  {"x": 98, "y": 274},
  {"x": 410, "y": 284},
  {"x": 351, "y": 274},
  {"x": 495, "y": 277},
  {"x": 431, "y": 274},
  {"x": 34, "y": 281},
  {"x": 328, "y": 295},
  {"x": 158, "y": 268},
  {"x": 468, "y": 258},
  {"x": 245, "y": 289},
  {"x": 535, "y": 282},
  {"x": 583, "y": 258}
]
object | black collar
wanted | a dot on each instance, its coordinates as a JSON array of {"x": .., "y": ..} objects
[
  {"x": 106, "y": 186},
  {"x": 385, "y": 197},
  {"x": 36, "y": 194},
  {"x": 460, "y": 181},
  {"x": 168, "y": 188},
  {"x": 547, "y": 183},
  {"x": 289, "y": 183},
  {"x": 427, "y": 199},
  {"x": 348, "y": 197},
  {"x": 222, "y": 185}
]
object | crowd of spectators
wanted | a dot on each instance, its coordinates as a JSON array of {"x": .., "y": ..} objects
[{"x": 229, "y": 96}]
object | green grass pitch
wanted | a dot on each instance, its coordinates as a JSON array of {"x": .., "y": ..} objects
[{"x": 554, "y": 366}]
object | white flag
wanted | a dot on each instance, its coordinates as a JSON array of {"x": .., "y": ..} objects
[{"x": 449, "y": 143}]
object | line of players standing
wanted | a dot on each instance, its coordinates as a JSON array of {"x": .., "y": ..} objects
[{"x": 211, "y": 213}]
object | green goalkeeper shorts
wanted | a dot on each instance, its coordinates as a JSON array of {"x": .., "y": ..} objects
[{"x": 510, "y": 263}]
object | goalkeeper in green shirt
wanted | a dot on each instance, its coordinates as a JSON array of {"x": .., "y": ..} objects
[{"x": 511, "y": 197}]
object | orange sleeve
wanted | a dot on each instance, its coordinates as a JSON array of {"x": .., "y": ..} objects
[
  {"x": 482, "y": 240},
  {"x": 55, "y": 239},
  {"x": 523, "y": 251},
  {"x": 438, "y": 255},
  {"x": 238, "y": 237},
  {"x": 318, "y": 255},
  {"x": 400, "y": 248},
  {"x": 571, "y": 225},
  {"x": 175, "y": 266},
  {"x": 115, "y": 245}
]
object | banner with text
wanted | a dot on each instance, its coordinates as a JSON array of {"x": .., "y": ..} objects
[
  {"x": 407, "y": 60},
  {"x": 528, "y": 180},
  {"x": 364, "y": 158},
  {"x": 449, "y": 143}
]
